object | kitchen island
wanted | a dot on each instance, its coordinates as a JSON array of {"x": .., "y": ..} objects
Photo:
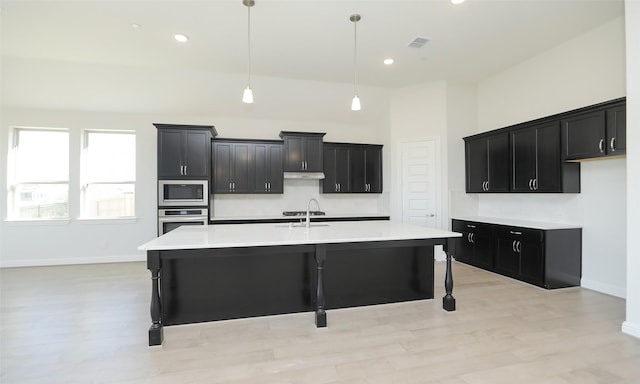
[{"x": 217, "y": 272}]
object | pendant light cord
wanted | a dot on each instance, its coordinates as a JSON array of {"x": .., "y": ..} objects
[
  {"x": 355, "y": 34},
  {"x": 249, "y": 44}
]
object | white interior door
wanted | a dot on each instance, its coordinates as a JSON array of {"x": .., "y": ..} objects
[{"x": 421, "y": 183}]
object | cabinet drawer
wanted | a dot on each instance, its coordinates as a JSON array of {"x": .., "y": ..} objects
[
  {"x": 526, "y": 234},
  {"x": 470, "y": 226}
]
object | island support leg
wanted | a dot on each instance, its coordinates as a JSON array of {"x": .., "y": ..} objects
[
  {"x": 156, "y": 336},
  {"x": 448, "y": 301},
  {"x": 321, "y": 314}
]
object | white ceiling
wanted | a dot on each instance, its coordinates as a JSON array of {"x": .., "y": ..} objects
[{"x": 301, "y": 39}]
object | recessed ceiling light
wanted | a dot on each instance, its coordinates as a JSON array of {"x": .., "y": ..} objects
[
  {"x": 457, "y": 1},
  {"x": 135, "y": 25},
  {"x": 388, "y": 61},
  {"x": 181, "y": 38}
]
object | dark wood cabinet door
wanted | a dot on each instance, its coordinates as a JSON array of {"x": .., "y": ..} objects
[
  {"x": 260, "y": 179},
  {"x": 196, "y": 154},
  {"x": 498, "y": 163},
  {"x": 294, "y": 153},
  {"x": 523, "y": 156},
  {"x": 531, "y": 262},
  {"x": 617, "y": 130},
  {"x": 313, "y": 154},
  {"x": 483, "y": 254},
  {"x": 329, "y": 184},
  {"x": 373, "y": 169},
  {"x": 548, "y": 171},
  {"x": 357, "y": 159},
  {"x": 584, "y": 135},
  {"x": 170, "y": 148},
  {"x": 222, "y": 167},
  {"x": 336, "y": 160},
  {"x": 275, "y": 172},
  {"x": 476, "y": 165},
  {"x": 241, "y": 165},
  {"x": 507, "y": 258}
]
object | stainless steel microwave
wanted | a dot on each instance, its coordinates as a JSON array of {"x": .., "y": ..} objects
[{"x": 183, "y": 193}]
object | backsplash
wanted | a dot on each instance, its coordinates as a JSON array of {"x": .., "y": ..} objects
[{"x": 296, "y": 195}]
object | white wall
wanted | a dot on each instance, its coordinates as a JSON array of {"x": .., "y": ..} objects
[
  {"x": 632, "y": 15},
  {"x": 78, "y": 241},
  {"x": 580, "y": 72}
]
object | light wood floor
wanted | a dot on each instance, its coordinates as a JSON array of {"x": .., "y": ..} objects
[{"x": 88, "y": 324}]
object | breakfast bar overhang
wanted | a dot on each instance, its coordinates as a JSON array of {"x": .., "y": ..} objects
[{"x": 219, "y": 272}]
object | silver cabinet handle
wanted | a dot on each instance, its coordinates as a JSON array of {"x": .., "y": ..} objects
[
  {"x": 431, "y": 215},
  {"x": 535, "y": 184},
  {"x": 468, "y": 237},
  {"x": 601, "y": 145},
  {"x": 269, "y": 185},
  {"x": 473, "y": 235},
  {"x": 519, "y": 246},
  {"x": 229, "y": 186},
  {"x": 185, "y": 170},
  {"x": 515, "y": 232},
  {"x": 513, "y": 245},
  {"x": 612, "y": 144},
  {"x": 531, "y": 184}
]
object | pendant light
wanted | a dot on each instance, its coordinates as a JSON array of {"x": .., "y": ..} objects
[
  {"x": 247, "y": 95},
  {"x": 355, "y": 103}
]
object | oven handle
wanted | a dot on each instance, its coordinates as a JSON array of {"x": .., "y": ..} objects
[{"x": 167, "y": 219}]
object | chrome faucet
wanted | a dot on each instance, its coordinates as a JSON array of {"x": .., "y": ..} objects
[{"x": 308, "y": 222}]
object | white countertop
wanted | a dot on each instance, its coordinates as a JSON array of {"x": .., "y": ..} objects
[
  {"x": 256, "y": 235},
  {"x": 519, "y": 223}
]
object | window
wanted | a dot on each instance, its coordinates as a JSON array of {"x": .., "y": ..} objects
[
  {"x": 108, "y": 174},
  {"x": 39, "y": 174}
]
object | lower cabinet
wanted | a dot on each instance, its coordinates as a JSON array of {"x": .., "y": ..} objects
[
  {"x": 549, "y": 258},
  {"x": 476, "y": 245}
]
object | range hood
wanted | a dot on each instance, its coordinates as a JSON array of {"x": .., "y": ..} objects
[{"x": 304, "y": 175}]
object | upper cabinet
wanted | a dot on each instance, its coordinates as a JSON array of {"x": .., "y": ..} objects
[
  {"x": 352, "y": 168},
  {"x": 535, "y": 156},
  {"x": 366, "y": 168},
  {"x": 536, "y": 161},
  {"x": 487, "y": 163},
  {"x": 242, "y": 166},
  {"x": 337, "y": 175},
  {"x": 302, "y": 151},
  {"x": 267, "y": 168},
  {"x": 184, "y": 151},
  {"x": 597, "y": 132}
]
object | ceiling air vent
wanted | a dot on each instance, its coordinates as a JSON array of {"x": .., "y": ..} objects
[{"x": 418, "y": 42}]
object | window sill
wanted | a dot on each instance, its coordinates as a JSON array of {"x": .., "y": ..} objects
[
  {"x": 31, "y": 222},
  {"x": 108, "y": 220}
]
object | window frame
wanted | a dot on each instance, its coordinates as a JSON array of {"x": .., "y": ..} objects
[
  {"x": 14, "y": 180},
  {"x": 85, "y": 184}
]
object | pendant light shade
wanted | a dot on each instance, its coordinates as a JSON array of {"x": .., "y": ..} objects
[
  {"x": 247, "y": 95},
  {"x": 355, "y": 103}
]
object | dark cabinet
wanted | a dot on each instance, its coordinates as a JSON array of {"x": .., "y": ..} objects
[
  {"x": 536, "y": 161},
  {"x": 336, "y": 166},
  {"x": 267, "y": 168},
  {"x": 549, "y": 258},
  {"x": 231, "y": 165},
  {"x": 184, "y": 151},
  {"x": 302, "y": 151},
  {"x": 519, "y": 254},
  {"x": 596, "y": 132},
  {"x": 242, "y": 166},
  {"x": 487, "y": 163},
  {"x": 366, "y": 168},
  {"x": 476, "y": 245}
]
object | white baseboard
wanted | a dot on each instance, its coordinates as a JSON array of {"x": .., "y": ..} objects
[
  {"x": 631, "y": 329},
  {"x": 608, "y": 289},
  {"x": 72, "y": 260}
]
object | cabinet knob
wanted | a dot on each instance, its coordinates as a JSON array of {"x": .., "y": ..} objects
[{"x": 601, "y": 145}]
